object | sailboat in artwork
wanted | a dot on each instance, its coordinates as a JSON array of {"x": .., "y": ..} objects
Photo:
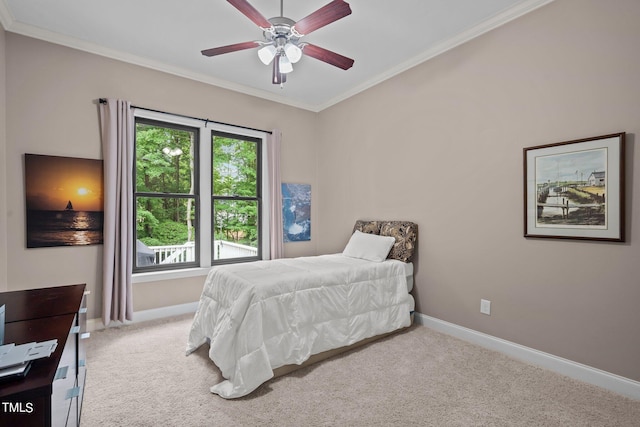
[{"x": 69, "y": 206}]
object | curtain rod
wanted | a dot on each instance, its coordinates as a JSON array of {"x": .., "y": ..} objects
[{"x": 104, "y": 101}]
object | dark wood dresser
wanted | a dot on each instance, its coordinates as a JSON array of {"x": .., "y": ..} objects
[{"x": 51, "y": 392}]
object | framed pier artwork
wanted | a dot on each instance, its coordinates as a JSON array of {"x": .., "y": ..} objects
[{"x": 575, "y": 189}]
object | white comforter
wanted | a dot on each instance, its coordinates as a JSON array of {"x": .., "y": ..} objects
[{"x": 263, "y": 315}]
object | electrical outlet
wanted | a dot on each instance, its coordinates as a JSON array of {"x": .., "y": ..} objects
[{"x": 485, "y": 307}]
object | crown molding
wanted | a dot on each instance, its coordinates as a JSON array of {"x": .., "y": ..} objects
[
  {"x": 6, "y": 17},
  {"x": 82, "y": 45},
  {"x": 11, "y": 25},
  {"x": 492, "y": 23}
]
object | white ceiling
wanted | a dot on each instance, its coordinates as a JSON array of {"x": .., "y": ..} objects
[{"x": 384, "y": 37}]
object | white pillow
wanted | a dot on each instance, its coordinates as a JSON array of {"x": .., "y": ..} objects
[{"x": 369, "y": 246}]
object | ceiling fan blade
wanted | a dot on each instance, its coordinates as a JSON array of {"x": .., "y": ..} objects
[
  {"x": 250, "y": 12},
  {"x": 327, "y": 14},
  {"x": 229, "y": 48},
  {"x": 327, "y": 56}
]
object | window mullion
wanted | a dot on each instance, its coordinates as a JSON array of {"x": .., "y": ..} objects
[{"x": 206, "y": 234}]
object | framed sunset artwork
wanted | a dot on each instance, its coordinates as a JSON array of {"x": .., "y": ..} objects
[{"x": 64, "y": 201}]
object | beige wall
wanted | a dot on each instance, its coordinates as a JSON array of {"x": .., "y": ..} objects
[
  {"x": 3, "y": 168},
  {"x": 52, "y": 109},
  {"x": 442, "y": 145}
]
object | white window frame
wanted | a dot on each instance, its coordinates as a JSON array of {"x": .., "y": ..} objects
[{"x": 205, "y": 154}]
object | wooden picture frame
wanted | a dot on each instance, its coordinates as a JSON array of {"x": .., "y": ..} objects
[{"x": 575, "y": 189}]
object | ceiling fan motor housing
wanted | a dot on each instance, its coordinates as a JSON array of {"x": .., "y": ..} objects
[{"x": 280, "y": 32}]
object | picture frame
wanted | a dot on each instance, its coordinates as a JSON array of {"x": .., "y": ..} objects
[
  {"x": 296, "y": 212},
  {"x": 576, "y": 189},
  {"x": 64, "y": 201}
]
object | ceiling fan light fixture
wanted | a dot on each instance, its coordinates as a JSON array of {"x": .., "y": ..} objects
[
  {"x": 293, "y": 52},
  {"x": 267, "y": 53},
  {"x": 285, "y": 64}
]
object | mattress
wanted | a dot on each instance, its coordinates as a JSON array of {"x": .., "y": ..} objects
[
  {"x": 255, "y": 321},
  {"x": 408, "y": 271}
]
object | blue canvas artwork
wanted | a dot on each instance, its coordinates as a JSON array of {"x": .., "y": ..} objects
[{"x": 296, "y": 212}]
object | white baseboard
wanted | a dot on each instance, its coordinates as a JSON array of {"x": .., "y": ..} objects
[
  {"x": 578, "y": 371},
  {"x": 145, "y": 315},
  {"x": 575, "y": 370}
]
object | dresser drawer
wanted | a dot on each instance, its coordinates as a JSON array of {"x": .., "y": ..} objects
[
  {"x": 35, "y": 398},
  {"x": 65, "y": 380},
  {"x": 51, "y": 393}
]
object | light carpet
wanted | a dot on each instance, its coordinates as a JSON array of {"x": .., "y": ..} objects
[{"x": 138, "y": 375}]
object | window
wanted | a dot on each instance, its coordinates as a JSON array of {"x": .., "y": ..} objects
[
  {"x": 166, "y": 196},
  {"x": 236, "y": 197},
  {"x": 198, "y": 193}
]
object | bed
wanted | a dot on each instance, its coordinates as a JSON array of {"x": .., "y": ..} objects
[{"x": 266, "y": 318}]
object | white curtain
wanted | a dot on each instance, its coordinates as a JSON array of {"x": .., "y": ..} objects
[
  {"x": 275, "y": 195},
  {"x": 117, "y": 129}
]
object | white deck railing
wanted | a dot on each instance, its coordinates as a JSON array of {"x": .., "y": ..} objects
[
  {"x": 225, "y": 250},
  {"x": 171, "y": 254}
]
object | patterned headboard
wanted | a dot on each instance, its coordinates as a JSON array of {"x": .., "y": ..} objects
[{"x": 405, "y": 233}]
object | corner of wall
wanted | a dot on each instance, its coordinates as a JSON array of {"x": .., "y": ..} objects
[
  {"x": 3, "y": 168},
  {"x": 578, "y": 371}
]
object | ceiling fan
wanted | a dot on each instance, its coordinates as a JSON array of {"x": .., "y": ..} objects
[{"x": 282, "y": 45}]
